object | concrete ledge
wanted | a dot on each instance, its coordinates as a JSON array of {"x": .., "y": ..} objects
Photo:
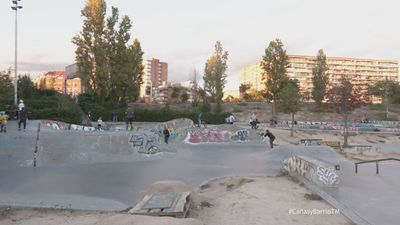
[{"x": 317, "y": 171}]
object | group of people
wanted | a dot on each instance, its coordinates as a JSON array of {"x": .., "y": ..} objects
[{"x": 21, "y": 115}]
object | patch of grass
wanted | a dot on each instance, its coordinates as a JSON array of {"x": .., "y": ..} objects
[
  {"x": 237, "y": 110},
  {"x": 378, "y": 107},
  {"x": 205, "y": 204},
  {"x": 313, "y": 197},
  {"x": 243, "y": 104}
]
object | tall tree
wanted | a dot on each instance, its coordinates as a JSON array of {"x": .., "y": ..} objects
[
  {"x": 214, "y": 74},
  {"x": 108, "y": 65},
  {"x": 26, "y": 88},
  {"x": 6, "y": 88},
  {"x": 344, "y": 99},
  {"x": 137, "y": 69},
  {"x": 386, "y": 90},
  {"x": 320, "y": 78},
  {"x": 289, "y": 100},
  {"x": 275, "y": 63}
]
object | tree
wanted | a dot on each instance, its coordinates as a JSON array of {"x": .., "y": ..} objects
[
  {"x": 386, "y": 90},
  {"x": 26, "y": 89},
  {"x": 275, "y": 63},
  {"x": 289, "y": 100},
  {"x": 319, "y": 78},
  {"x": 109, "y": 67},
  {"x": 6, "y": 89},
  {"x": 184, "y": 97},
  {"x": 344, "y": 99},
  {"x": 214, "y": 74}
]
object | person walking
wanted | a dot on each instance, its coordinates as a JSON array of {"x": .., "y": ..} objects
[
  {"x": 114, "y": 117},
  {"x": 20, "y": 106},
  {"x": 271, "y": 137},
  {"x": 200, "y": 119},
  {"x": 129, "y": 118},
  {"x": 166, "y": 135},
  {"x": 23, "y": 116},
  {"x": 99, "y": 123}
]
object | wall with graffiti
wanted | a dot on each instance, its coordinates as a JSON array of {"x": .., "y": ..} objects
[
  {"x": 215, "y": 135},
  {"x": 316, "y": 171}
]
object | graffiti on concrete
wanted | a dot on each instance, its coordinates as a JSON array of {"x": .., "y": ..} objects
[
  {"x": 241, "y": 135},
  {"x": 328, "y": 176},
  {"x": 146, "y": 143},
  {"x": 197, "y": 136},
  {"x": 312, "y": 169},
  {"x": 57, "y": 125}
]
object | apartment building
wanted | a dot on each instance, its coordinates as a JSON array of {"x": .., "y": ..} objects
[
  {"x": 155, "y": 74},
  {"x": 253, "y": 74},
  {"x": 362, "y": 72},
  {"x": 51, "y": 80}
]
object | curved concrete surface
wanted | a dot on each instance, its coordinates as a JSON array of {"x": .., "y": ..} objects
[{"x": 103, "y": 170}]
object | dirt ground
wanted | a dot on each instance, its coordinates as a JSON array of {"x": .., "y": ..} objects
[{"x": 225, "y": 201}]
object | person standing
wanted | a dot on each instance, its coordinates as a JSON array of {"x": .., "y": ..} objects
[
  {"x": 114, "y": 117},
  {"x": 253, "y": 121},
  {"x": 200, "y": 119},
  {"x": 3, "y": 122},
  {"x": 129, "y": 118},
  {"x": 99, "y": 123},
  {"x": 271, "y": 137},
  {"x": 20, "y": 106},
  {"x": 23, "y": 116},
  {"x": 166, "y": 135}
]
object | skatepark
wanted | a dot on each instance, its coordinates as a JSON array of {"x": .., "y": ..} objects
[{"x": 63, "y": 166}]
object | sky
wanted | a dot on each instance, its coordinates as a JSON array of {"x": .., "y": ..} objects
[{"x": 183, "y": 32}]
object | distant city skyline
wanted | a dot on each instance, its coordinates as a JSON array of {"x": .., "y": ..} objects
[{"x": 182, "y": 33}]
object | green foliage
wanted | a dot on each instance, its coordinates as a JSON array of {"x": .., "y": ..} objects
[
  {"x": 275, "y": 63},
  {"x": 319, "y": 79},
  {"x": 214, "y": 73},
  {"x": 6, "y": 90},
  {"x": 175, "y": 92},
  {"x": 184, "y": 97},
  {"x": 26, "y": 89},
  {"x": 289, "y": 98},
  {"x": 108, "y": 65}
]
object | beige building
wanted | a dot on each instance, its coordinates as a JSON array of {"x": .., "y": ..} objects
[
  {"x": 362, "y": 72},
  {"x": 51, "y": 80},
  {"x": 155, "y": 74},
  {"x": 252, "y": 74}
]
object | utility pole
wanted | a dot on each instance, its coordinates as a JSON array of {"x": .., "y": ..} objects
[{"x": 16, "y": 7}]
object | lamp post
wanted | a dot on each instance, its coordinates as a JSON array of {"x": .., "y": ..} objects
[{"x": 16, "y": 7}]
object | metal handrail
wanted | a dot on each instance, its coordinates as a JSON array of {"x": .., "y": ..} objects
[{"x": 374, "y": 161}]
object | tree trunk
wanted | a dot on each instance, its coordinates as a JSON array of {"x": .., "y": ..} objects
[
  {"x": 291, "y": 129},
  {"x": 346, "y": 134}
]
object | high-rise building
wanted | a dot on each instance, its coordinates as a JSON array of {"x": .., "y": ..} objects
[
  {"x": 155, "y": 74},
  {"x": 253, "y": 75},
  {"x": 362, "y": 72},
  {"x": 73, "y": 83}
]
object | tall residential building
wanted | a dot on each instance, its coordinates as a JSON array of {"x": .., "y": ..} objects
[
  {"x": 51, "y": 80},
  {"x": 252, "y": 74},
  {"x": 73, "y": 83},
  {"x": 362, "y": 72},
  {"x": 155, "y": 74}
]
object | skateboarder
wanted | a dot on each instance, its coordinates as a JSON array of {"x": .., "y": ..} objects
[
  {"x": 129, "y": 118},
  {"x": 271, "y": 138},
  {"x": 166, "y": 135},
  {"x": 23, "y": 116}
]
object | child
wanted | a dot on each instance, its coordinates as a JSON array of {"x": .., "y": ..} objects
[
  {"x": 99, "y": 122},
  {"x": 3, "y": 122}
]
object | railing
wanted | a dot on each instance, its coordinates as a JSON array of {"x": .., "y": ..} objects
[{"x": 374, "y": 161}]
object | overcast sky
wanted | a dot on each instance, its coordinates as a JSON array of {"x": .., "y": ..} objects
[{"x": 183, "y": 32}]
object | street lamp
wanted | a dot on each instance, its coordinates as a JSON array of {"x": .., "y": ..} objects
[{"x": 16, "y": 7}]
